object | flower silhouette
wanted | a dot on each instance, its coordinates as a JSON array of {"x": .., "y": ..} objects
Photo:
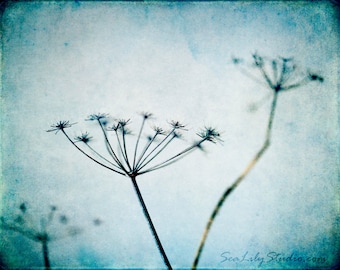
[
  {"x": 23, "y": 224},
  {"x": 279, "y": 75},
  {"x": 142, "y": 160}
]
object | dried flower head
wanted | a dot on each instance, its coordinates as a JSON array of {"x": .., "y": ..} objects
[
  {"x": 177, "y": 125},
  {"x": 84, "y": 137},
  {"x": 210, "y": 134},
  {"x": 146, "y": 115},
  {"x": 98, "y": 116},
  {"x": 61, "y": 125},
  {"x": 159, "y": 130},
  {"x": 143, "y": 159},
  {"x": 315, "y": 77},
  {"x": 258, "y": 60},
  {"x": 279, "y": 74},
  {"x": 114, "y": 127},
  {"x": 122, "y": 122}
]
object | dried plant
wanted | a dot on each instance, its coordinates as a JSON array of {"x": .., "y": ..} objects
[
  {"x": 140, "y": 160},
  {"x": 278, "y": 75},
  {"x": 23, "y": 224}
]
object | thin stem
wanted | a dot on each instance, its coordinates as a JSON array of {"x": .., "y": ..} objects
[
  {"x": 266, "y": 77},
  {"x": 122, "y": 151},
  {"x": 155, "y": 155},
  {"x": 174, "y": 158},
  {"x": 271, "y": 118},
  {"x": 111, "y": 152},
  {"x": 152, "y": 227},
  {"x": 102, "y": 157},
  {"x": 145, "y": 149},
  {"x": 158, "y": 145},
  {"x": 275, "y": 71},
  {"x": 45, "y": 254},
  {"x": 137, "y": 142},
  {"x": 228, "y": 191},
  {"x": 245, "y": 72},
  {"x": 76, "y": 146},
  {"x": 124, "y": 146},
  {"x": 283, "y": 73},
  {"x": 295, "y": 85}
]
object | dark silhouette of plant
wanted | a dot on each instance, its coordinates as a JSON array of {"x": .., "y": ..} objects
[
  {"x": 142, "y": 160},
  {"x": 279, "y": 75},
  {"x": 23, "y": 224}
]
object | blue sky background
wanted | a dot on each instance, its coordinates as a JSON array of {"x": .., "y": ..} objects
[{"x": 66, "y": 60}]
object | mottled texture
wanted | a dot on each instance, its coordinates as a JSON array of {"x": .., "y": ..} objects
[{"x": 67, "y": 60}]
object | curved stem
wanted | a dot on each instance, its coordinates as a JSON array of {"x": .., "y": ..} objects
[
  {"x": 156, "y": 154},
  {"x": 228, "y": 191},
  {"x": 139, "y": 164},
  {"x": 173, "y": 159},
  {"x": 137, "y": 142},
  {"x": 101, "y": 156},
  {"x": 76, "y": 146},
  {"x": 125, "y": 151},
  {"x": 111, "y": 152},
  {"x": 144, "y": 151},
  {"x": 152, "y": 227}
]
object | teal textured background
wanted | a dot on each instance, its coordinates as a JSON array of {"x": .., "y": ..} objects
[{"x": 66, "y": 60}]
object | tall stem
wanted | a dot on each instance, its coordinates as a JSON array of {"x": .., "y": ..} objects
[
  {"x": 152, "y": 227},
  {"x": 45, "y": 254},
  {"x": 228, "y": 191}
]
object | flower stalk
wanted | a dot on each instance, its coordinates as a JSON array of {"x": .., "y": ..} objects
[
  {"x": 139, "y": 163},
  {"x": 22, "y": 224},
  {"x": 282, "y": 78},
  {"x": 152, "y": 227}
]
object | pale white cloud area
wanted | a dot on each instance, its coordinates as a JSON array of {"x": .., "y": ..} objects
[{"x": 66, "y": 60}]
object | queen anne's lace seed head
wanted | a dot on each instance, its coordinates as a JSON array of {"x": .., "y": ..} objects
[
  {"x": 279, "y": 74},
  {"x": 118, "y": 158}
]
